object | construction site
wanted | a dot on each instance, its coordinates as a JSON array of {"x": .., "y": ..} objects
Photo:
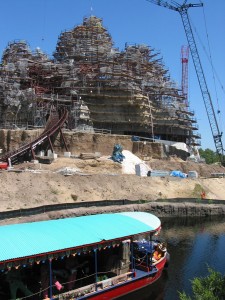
[
  {"x": 126, "y": 92},
  {"x": 91, "y": 129}
]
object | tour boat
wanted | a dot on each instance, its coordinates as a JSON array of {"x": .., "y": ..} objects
[{"x": 102, "y": 256}]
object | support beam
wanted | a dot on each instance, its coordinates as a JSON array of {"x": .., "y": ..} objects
[{"x": 62, "y": 136}]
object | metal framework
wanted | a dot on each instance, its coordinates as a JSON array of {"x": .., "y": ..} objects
[
  {"x": 184, "y": 81},
  {"x": 183, "y": 11}
]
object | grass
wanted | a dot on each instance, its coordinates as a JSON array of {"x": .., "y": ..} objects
[
  {"x": 197, "y": 191},
  {"x": 54, "y": 191},
  {"x": 74, "y": 197}
]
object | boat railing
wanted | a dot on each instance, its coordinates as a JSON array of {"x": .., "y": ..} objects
[
  {"x": 95, "y": 287},
  {"x": 114, "y": 280}
]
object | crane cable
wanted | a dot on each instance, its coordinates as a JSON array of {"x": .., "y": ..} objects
[
  {"x": 209, "y": 57},
  {"x": 217, "y": 76},
  {"x": 213, "y": 69}
]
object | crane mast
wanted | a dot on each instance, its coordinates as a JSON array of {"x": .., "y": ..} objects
[{"x": 183, "y": 10}]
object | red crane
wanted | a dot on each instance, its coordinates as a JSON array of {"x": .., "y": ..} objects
[{"x": 184, "y": 81}]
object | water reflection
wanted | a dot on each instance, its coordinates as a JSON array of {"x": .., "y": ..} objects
[{"x": 194, "y": 244}]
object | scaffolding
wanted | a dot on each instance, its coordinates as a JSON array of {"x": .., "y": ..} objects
[{"x": 125, "y": 92}]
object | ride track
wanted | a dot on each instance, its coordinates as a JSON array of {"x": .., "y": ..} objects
[{"x": 53, "y": 127}]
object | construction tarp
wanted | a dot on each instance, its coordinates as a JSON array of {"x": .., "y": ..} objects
[{"x": 178, "y": 174}]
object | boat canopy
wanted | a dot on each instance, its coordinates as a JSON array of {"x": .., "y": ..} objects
[{"x": 39, "y": 238}]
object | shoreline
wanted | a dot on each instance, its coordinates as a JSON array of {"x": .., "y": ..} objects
[{"x": 160, "y": 209}]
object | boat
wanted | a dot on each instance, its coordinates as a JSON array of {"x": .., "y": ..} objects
[{"x": 101, "y": 256}]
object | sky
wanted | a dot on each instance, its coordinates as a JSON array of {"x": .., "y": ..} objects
[{"x": 40, "y": 22}]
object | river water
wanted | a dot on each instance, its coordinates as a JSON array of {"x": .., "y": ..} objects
[{"x": 194, "y": 245}]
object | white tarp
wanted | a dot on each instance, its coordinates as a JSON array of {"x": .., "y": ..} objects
[{"x": 129, "y": 163}]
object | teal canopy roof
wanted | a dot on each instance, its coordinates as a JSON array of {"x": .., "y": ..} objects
[{"x": 30, "y": 239}]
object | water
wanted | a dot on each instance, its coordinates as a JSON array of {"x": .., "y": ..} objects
[{"x": 194, "y": 245}]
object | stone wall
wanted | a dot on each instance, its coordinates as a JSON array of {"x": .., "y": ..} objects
[{"x": 163, "y": 209}]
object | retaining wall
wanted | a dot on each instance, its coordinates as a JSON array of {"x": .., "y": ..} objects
[{"x": 175, "y": 208}]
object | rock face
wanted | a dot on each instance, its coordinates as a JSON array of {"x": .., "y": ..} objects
[{"x": 79, "y": 142}]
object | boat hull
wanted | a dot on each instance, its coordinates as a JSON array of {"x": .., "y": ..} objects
[{"x": 127, "y": 287}]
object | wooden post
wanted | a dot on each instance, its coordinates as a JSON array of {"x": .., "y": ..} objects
[
  {"x": 60, "y": 129},
  {"x": 32, "y": 152},
  {"x": 50, "y": 142}
]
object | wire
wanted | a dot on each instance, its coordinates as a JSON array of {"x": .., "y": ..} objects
[{"x": 209, "y": 57}]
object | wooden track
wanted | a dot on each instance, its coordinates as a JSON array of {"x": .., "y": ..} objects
[{"x": 53, "y": 127}]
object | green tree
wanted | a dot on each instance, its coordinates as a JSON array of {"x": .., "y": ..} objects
[
  {"x": 211, "y": 287},
  {"x": 209, "y": 155}
]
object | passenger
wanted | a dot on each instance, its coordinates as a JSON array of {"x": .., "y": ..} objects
[
  {"x": 159, "y": 252},
  {"x": 14, "y": 278},
  {"x": 156, "y": 256},
  {"x": 45, "y": 282},
  {"x": 71, "y": 265}
]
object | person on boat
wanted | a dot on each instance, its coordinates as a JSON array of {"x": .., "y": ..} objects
[
  {"x": 156, "y": 256},
  {"x": 159, "y": 252},
  {"x": 44, "y": 279},
  {"x": 71, "y": 265},
  {"x": 15, "y": 281}
]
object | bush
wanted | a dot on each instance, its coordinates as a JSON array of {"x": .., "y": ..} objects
[{"x": 210, "y": 287}]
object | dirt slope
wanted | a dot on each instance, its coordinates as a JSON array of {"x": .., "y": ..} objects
[{"x": 101, "y": 179}]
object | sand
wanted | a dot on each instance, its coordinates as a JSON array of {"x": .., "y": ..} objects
[{"x": 69, "y": 180}]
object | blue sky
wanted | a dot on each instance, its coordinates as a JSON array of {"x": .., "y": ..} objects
[{"x": 40, "y": 22}]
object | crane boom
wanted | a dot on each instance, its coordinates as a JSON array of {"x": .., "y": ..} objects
[{"x": 183, "y": 10}]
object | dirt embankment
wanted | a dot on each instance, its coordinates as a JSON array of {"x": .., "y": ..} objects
[
  {"x": 101, "y": 179},
  {"x": 32, "y": 185}
]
